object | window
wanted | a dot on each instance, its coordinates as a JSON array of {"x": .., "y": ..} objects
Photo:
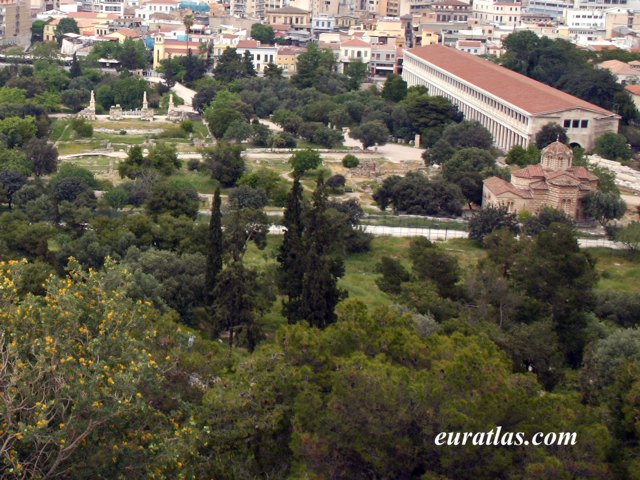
[
  {"x": 575, "y": 124},
  {"x": 584, "y": 124},
  {"x": 567, "y": 123}
]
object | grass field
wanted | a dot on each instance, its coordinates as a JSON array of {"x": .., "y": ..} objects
[
  {"x": 618, "y": 271},
  {"x": 95, "y": 163}
]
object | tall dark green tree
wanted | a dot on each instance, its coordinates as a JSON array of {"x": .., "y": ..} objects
[
  {"x": 235, "y": 305},
  {"x": 320, "y": 293},
  {"x": 214, "y": 252},
  {"x": 75, "y": 70},
  {"x": 247, "y": 62},
  {"x": 291, "y": 256}
]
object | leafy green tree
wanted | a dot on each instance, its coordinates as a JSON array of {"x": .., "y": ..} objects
[
  {"x": 214, "y": 247},
  {"x": 229, "y": 66},
  {"x": 167, "y": 279},
  {"x": 350, "y": 161},
  {"x": 132, "y": 55},
  {"x": 37, "y": 31},
  {"x": 604, "y": 207},
  {"x": 168, "y": 198},
  {"x": 263, "y": 33},
  {"x": 172, "y": 71},
  {"x": 490, "y": 219},
  {"x": 117, "y": 198},
  {"x": 225, "y": 162},
  {"x": 74, "y": 99},
  {"x": 606, "y": 179},
  {"x": 467, "y": 168},
  {"x": 549, "y": 133},
  {"x": 245, "y": 197},
  {"x": 10, "y": 183},
  {"x": 523, "y": 157},
  {"x": 18, "y": 131},
  {"x": 357, "y": 72},
  {"x": 429, "y": 115},
  {"x": 440, "y": 152},
  {"x": 430, "y": 263},
  {"x": 65, "y": 25},
  {"x": 313, "y": 65},
  {"x": 163, "y": 158},
  {"x": 271, "y": 70},
  {"x": 194, "y": 68},
  {"x": 235, "y": 305},
  {"x": 628, "y": 235},
  {"x": 304, "y": 160},
  {"x": 133, "y": 164},
  {"x": 613, "y": 146},
  {"x": 371, "y": 133},
  {"x": 42, "y": 155},
  {"x": 545, "y": 217},
  {"x": 395, "y": 88},
  {"x": 567, "y": 291},
  {"x": 393, "y": 275},
  {"x": 417, "y": 195},
  {"x": 238, "y": 131},
  {"x": 220, "y": 119},
  {"x": 598, "y": 86},
  {"x": 468, "y": 134},
  {"x": 82, "y": 128}
]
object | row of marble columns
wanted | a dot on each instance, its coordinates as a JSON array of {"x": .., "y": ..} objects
[{"x": 503, "y": 136}]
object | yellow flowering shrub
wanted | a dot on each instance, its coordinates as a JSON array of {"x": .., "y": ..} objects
[{"x": 79, "y": 381}]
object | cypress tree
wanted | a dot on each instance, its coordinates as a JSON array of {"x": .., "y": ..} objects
[
  {"x": 214, "y": 254},
  {"x": 291, "y": 256},
  {"x": 235, "y": 305},
  {"x": 320, "y": 293},
  {"x": 75, "y": 70}
]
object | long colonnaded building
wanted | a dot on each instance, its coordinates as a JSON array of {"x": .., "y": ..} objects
[{"x": 511, "y": 106}]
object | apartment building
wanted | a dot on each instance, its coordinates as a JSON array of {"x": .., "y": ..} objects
[{"x": 15, "y": 22}]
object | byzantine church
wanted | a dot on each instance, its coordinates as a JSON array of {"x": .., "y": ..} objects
[{"x": 554, "y": 182}]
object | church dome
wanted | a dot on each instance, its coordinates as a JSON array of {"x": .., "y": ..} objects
[
  {"x": 556, "y": 156},
  {"x": 557, "y": 148}
]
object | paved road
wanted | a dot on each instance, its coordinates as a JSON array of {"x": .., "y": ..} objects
[
  {"x": 391, "y": 151},
  {"x": 440, "y": 235}
]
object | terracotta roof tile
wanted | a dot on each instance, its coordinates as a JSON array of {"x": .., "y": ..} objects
[
  {"x": 248, "y": 44},
  {"x": 523, "y": 92},
  {"x": 499, "y": 186},
  {"x": 355, "y": 43},
  {"x": 531, "y": 171},
  {"x": 582, "y": 173},
  {"x": 633, "y": 89},
  {"x": 289, "y": 10}
]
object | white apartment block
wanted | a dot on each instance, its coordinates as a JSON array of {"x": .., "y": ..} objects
[
  {"x": 586, "y": 23},
  {"x": 555, "y": 8},
  {"x": 156, "y": 6},
  {"x": 498, "y": 12},
  {"x": 606, "y": 4},
  {"x": 511, "y": 106}
]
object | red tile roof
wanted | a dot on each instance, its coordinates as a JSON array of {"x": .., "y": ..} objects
[
  {"x": 582, "y": 173},
  {"x": 248, "y": 44},
  {"x": 499, "y": 186},
  {"x": 531, "y": 171},
  {"x": 469, "y": 43},
  {"x": 523, "y": 92},
  {"x": 633, "y": 89},
  {"x": 355, "y": 43}
]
